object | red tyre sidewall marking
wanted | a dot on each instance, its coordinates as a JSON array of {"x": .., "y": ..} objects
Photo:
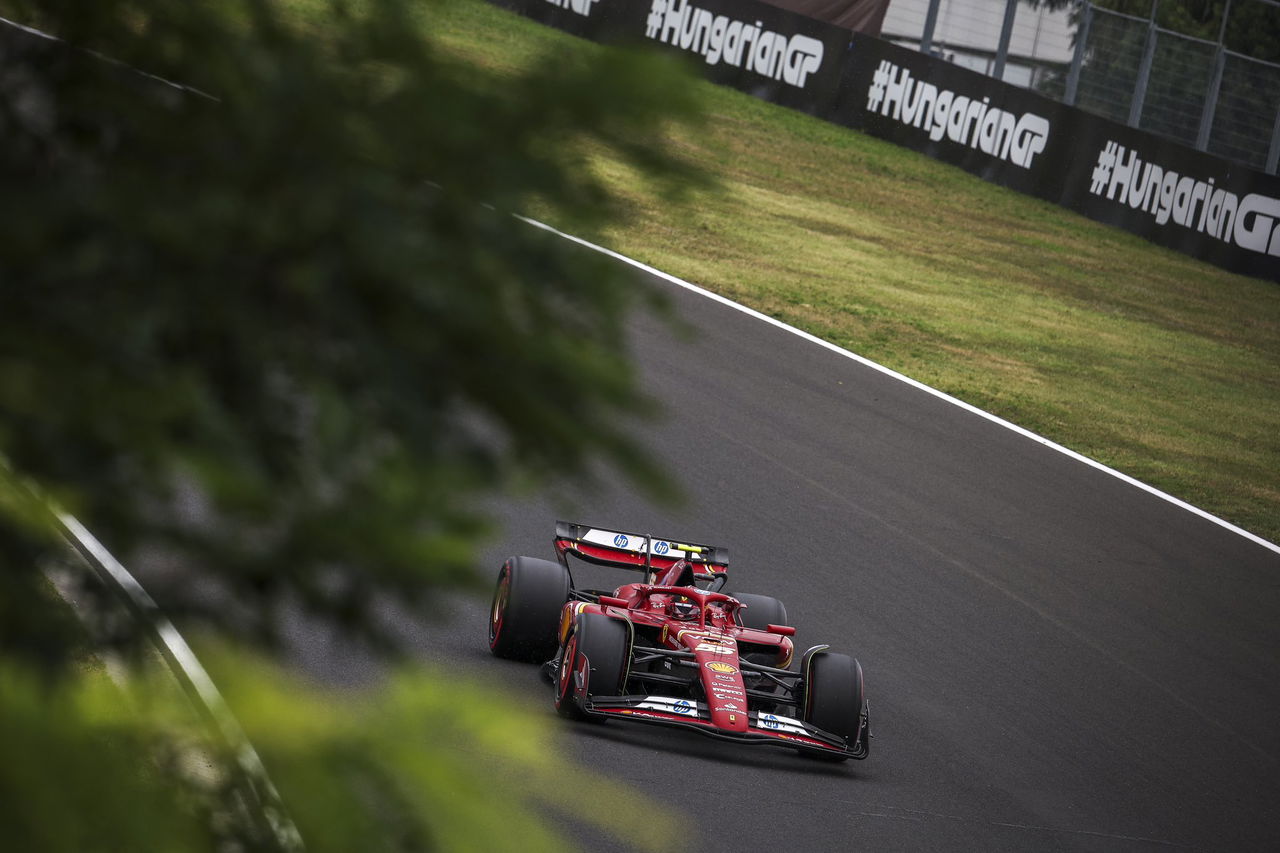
[
  {"x": 499, "y": 607},
  {"x": 566, "y": 671}
]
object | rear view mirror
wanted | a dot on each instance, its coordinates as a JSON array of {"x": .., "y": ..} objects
[{"x": 784, "y": 630}]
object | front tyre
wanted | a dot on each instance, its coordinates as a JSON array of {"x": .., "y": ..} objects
[
  {"x": 834, "y": 700},
  {"x": 593, "y": 662},
  {"x": 525, "y": 614}
]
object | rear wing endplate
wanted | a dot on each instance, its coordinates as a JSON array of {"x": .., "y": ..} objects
[{"x": 634, "y": 550}]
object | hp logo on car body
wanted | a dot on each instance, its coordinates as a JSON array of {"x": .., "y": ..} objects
[
  {"x": 661, "y": 547},
  {"x": 621, "y": 541}
]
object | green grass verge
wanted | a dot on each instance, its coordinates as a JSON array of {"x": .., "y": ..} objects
[{"x": 1142, "y": 358}]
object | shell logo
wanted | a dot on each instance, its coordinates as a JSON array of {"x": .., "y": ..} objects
[{"x": 726, "y": 668}]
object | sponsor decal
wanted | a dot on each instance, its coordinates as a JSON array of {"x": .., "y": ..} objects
[
  {"x": 621, "y": 540},
  {"x": 580, "y": 7},
  {"x": 1017, "y": 139},
  {"x": 769, "y": 721},
  {"x": 713, "y": 648},
  {"x": 1251, "y": 222},
  {"x": 729, "y": 706},
  {"x": 719, "y": 38},
  {"x": 722, "y": 667},
  {"x": 728, "y": 678},
  {"x": 661, "y": 547},
  {"x": 722, "y": 692},
  {"x": 684, "y": 707}
]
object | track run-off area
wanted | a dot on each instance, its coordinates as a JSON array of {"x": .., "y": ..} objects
[{"x": 1057, "y": 658}]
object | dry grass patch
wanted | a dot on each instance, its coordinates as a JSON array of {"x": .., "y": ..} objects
[{"x": 1141, "y": 357}]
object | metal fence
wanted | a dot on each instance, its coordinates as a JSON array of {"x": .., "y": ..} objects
[
  {"x": 970, "y": 33},
  {"x": 1207, "y": 76}
]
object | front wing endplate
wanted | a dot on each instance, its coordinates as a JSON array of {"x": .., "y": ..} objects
[{"x": 762, "y": 728}]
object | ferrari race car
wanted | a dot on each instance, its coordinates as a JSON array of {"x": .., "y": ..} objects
[{"x": 668, "y": 651}]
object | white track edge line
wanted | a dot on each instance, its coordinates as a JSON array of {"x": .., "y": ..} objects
[{"x": 941, "y": 395}]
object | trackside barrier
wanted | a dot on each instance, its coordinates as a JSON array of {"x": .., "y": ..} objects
[
  {"x": 260, "y": 798},
  {"x": 1171, "y": 194}
]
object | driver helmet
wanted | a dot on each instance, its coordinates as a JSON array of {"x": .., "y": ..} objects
[{"x": 683, "y": 608}]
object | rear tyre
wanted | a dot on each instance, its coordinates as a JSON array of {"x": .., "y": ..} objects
[
  {"x": 598, "y": 652},
  {"x": 760, "y": 611},
  {"x": 525, "y": 614},
  {"x": 834, "y": 700}
]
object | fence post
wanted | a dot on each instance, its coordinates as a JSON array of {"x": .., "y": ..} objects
[
  {"x": 1210, "y": 101},
  {"x": 930, "y": 21},
  {"x": 1006, "y": 32},
  {"x": 1215, "y": 84},
  {"x": 1144, "y": 70},
  {"x": 1077, "y": 56}
]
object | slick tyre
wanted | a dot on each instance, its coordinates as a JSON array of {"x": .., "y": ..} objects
[
  {"x": 525, "y": 614},
  {"x": 760, "y": 611},
  {"x": 597, "y": 652},
  {"x": 833, "y": 696}
]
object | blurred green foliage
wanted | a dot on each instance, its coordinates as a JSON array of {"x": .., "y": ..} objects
[
  {"x": 264, "y": 312},
  {"x": 424, "y": 763},
  {"x": 82, "y": 767},
  {"x": 287, "y": 330},
  {"x": 1252, "y": 27}
]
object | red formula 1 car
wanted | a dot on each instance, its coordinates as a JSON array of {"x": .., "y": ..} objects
[{"x": 670, "y": 652}]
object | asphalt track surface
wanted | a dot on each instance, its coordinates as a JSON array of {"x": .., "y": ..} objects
[{"x": 1055, "y": 659}]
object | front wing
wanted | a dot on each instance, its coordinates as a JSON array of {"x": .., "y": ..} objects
[{"x": 762, "y": 728}]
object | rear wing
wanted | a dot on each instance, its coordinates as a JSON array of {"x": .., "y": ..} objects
[{"x": 639, "y": 551}]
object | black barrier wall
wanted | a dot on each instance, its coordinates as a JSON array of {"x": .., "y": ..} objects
[
  {"x": 771, "y": 53},
  {"x": 1195, "y": 203}
]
